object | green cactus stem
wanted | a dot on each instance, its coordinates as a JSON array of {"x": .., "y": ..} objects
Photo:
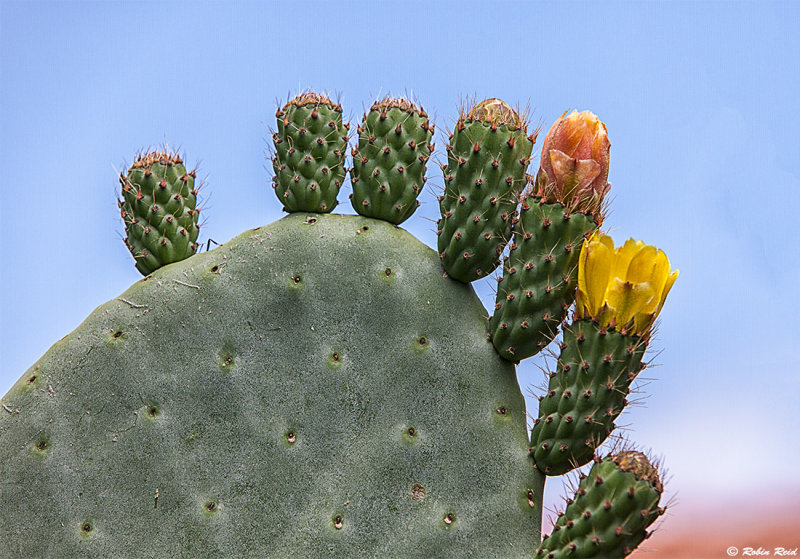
[
  {"x": 539, "y": 278},
  {"x": 612, "y": 509},
  {"x": 159, "y": 209},
  {"x": 488, "y": 154},
  {"x": 389, "y": 164},
  {"x": 585, "y": 395},
  {"x": 310, "y": 150}
]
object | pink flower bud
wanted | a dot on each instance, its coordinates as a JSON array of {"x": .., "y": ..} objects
[{"x": 575, "y": 158}]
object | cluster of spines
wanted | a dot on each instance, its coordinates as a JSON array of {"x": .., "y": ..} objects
[
  {"x": 159, "y": 209},
  {"x": 585, "y": 395},
  {"x": 612, "y": 509},
  {"x": 389, "y": 163},
  {"x": 310, "y": 150},
  {"x": 539, "y": 277},
  {"x": 487, "y": 156}
]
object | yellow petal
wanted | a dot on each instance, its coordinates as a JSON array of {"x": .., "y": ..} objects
[
  {"x": 642, "y": 321},
  {"x": 666, "y": 289},
  {"x": 660, "y": 277},
  {"x": 594, "y": 268},
  {"x": 606, "y": 240},
  {"x": 581, "y": 310},
  {"x": 640, "y": 268},
  {"x": 627, "y": 299},
  {"x": 649, "y": 265},
  {"x": 645, "y": 319},
  {"x": 625, "y": 254}
]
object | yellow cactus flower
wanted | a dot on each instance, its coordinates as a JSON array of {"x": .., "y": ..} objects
[{"x": 622, "y": 287}]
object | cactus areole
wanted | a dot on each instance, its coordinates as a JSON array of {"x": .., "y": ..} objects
[{"x": 327, "y": 385}]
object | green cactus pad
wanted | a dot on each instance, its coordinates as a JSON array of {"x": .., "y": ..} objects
[
  {"x": 394, "y": 145},
  {"x": 612, "y": 509},
  {"x": 313, "y": 388},
  {"x": 310, "y": 149},
  {"x": 539, "y": 278},
  {"x": 159, "y": 209},
  {"x": 585, "y": 395},
  {"x": 487, "y": 157}
]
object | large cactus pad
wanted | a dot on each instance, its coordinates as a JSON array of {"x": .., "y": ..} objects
[{"x": 313, "y": 388}]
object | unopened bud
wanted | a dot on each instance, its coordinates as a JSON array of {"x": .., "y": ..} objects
[{"x": 575, "y": 160}]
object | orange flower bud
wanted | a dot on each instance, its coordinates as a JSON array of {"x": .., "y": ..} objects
[{"x": 575, "y": 159}]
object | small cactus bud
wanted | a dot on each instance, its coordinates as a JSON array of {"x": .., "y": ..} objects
[{"x": 496, "y": 112}]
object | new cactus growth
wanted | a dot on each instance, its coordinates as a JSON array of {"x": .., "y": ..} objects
[
  {"x": 487, "y": 157},
  {"x": 318, "y": 387},
  {"x": 159, "y": 209},
  {"x": 310, "y": 149},
  {"x": 389, "y": 164}
]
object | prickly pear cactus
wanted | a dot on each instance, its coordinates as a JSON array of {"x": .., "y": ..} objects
[
  {"x": 612, "y": 508},
  {"x": 562, "y": 206},
  {"x": 539, "y": 278},
  {"x": 487, "y": 156},
  {"x": 320, "y": 387}
]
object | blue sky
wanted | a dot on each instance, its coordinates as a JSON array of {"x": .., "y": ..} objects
[{"x": 700, "y": 100}]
